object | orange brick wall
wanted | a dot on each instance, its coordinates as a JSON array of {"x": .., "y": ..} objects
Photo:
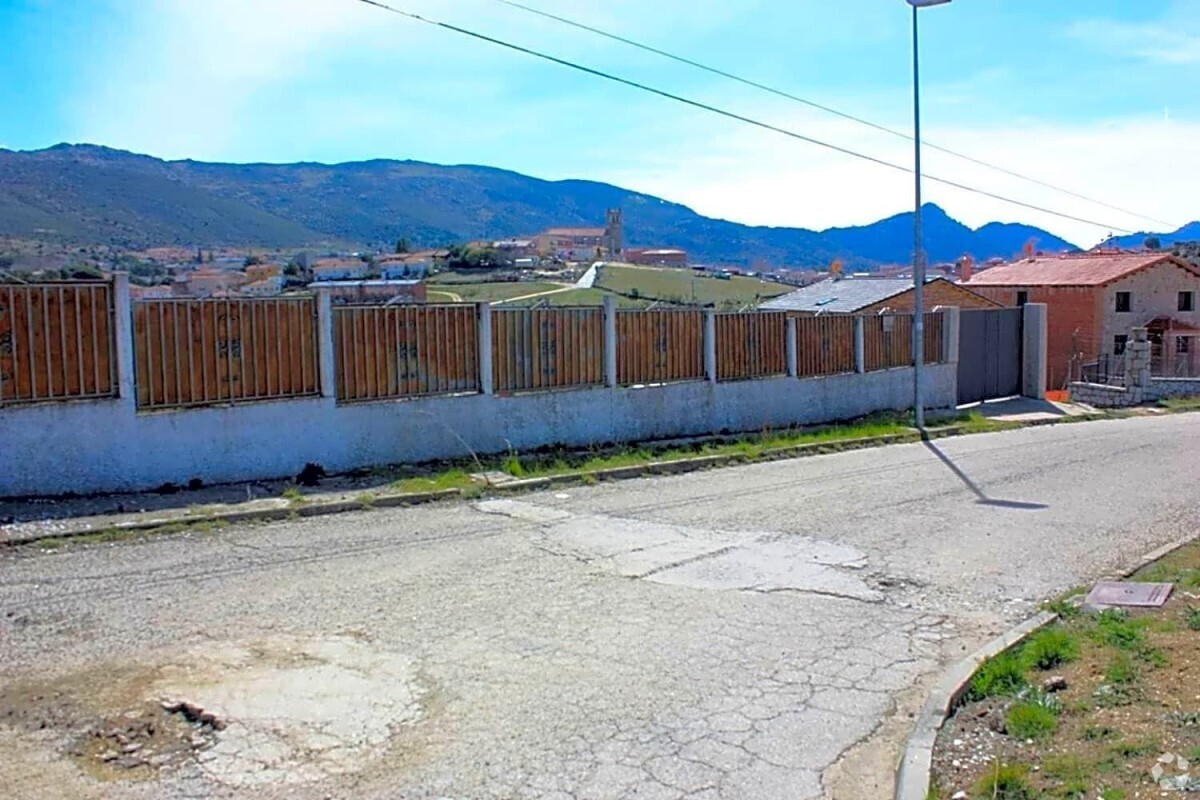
[
  {"x": 938, "y": 293},
  {"x": 1073, "y": 324}
]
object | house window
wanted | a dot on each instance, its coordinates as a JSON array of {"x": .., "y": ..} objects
[
  {"x": 1119, "y": 342},
  {"x": 1183, "y": 344},
  {"x": 1022, "y": 298},
  {"x": 1124, "y": 302},
  {"x": 1187, "y": 301}
]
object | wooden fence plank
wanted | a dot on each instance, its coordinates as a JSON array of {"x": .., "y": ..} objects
[
  {"x": 751, "y": 345},
  {"x": 55, "y": 342},
  {"x": 388, "y": 352},
  {"x": 199, "y": 352}
]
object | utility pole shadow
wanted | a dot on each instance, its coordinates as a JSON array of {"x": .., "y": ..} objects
[{"x": 983, "y": 499}]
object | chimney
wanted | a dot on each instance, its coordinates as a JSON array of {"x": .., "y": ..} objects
[{"x": 966, "y": 268}]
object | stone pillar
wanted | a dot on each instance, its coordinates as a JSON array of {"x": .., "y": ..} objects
[
  {"x": 325, "y": 350},
  {"x": 1033, "y": 350},
  {"x": 710, "y": 346},
  {"x": 951, "y": 320},
  {"x": 860, "y": 346},
  {"x": 123, "y": 336},
  {"x": 1137, "y": 360},
  {"x": 793, "y": 366},
  {"x": 610, "y": 341},
  {"x": 486, "y": 375}
]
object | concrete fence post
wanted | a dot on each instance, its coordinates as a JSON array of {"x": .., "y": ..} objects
[
  {"x": 486, "y": 375},
  {"x": 325, "y": 349},
  {"x": 123, "y": 336},
  {"x": 1033, "y": 350},
  {"x": 951, "y": 331},
  {"x": 1137, "y": 360},
  {"x": 610, "y": 341},
  {"x": 860, "y": 346},
  {"x": 793, "y": 366},
  {"x": 710, "y": 346}
]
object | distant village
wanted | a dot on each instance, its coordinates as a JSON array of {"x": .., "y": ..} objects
[{"x": 400, "y": 275}]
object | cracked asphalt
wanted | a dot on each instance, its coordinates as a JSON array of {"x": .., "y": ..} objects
[{"x": 755, "y": 632}]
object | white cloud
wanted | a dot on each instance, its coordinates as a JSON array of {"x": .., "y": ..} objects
[
  {"x": 764, "y": 178},
  {"x": 1172, "y": 39}
]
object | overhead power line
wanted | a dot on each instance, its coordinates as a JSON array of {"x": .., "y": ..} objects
[
  {"x": 735, "y": 116},
  {"x": 820, "y": 107}
]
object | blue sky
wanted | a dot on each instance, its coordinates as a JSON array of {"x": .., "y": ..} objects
[{"x": 1096, "y": 95}]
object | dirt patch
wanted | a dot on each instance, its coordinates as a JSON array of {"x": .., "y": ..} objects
[
  {"x": 1097, "y": 706},
  {"x": 279, "y": 711}
]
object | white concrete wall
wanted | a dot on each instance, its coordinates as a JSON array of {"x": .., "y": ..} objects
[{"x": 99, "y": 446}]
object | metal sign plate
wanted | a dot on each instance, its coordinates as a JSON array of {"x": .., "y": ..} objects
[{"x": 1136, "y": 595}]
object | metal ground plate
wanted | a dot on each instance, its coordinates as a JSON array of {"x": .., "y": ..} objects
[{"x": 1134, "y": 595}]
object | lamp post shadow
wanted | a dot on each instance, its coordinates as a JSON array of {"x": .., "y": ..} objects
[{"x": 981, "y": 496}]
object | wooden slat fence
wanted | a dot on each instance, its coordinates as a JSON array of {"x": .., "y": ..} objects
[
  {"x": 537, "y": 349},
  {"x": 824, "y": 345},
  {"x": 933, "y": 337},
  {"x": 752, "y": 345},
  {"x": 385, "y": 352},
  {"x": 887, "y": 341},
  {"x": 203, "y": 352},
  {"x": 659, "y": 346},
  {"x": 56, "y": 342}
]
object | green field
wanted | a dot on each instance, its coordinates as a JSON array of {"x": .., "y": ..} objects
[
  {"x": 687, "y": 287},
  {"x": 634, "y": 287},
  {"x": 483, "y": 292},
  {"x": 582, "y": 297}
]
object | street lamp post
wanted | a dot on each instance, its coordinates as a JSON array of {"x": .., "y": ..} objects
[{"x": 918, "y": 345}]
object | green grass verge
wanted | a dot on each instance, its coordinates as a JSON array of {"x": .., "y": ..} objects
[
  {"x": 1180, "y": 403},
  {"x": 751, "y": 447},
  {"x": 451, "y": 479}
]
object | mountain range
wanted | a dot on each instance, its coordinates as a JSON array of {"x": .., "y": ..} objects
[
  {"x": 1188, "y": 233},
  {"x": 89, "y": 194}
]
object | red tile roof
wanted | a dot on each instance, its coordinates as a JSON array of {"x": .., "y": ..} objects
[{"x": 1087, "y": 269}]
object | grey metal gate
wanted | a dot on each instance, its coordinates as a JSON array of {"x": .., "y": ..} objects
[{"x": 989, "y": 354}]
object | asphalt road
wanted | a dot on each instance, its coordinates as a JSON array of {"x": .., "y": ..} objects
[{"x": 755, "y": 632}]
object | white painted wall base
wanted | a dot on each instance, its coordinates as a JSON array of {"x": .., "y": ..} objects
[{"x": 103, "y": 446}]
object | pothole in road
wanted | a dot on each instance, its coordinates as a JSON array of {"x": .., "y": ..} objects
[{"x": 280, "y": 711}]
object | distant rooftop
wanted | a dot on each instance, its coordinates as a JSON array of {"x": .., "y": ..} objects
[
  {"x": 577, "y": 232},
  {"x": 843, "y": 296}
]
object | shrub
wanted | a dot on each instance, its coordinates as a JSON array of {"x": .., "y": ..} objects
[
  {"x": 1005, "y": 782},
  {"x": 1097, "y": 733},
  {"x": 1049, "y": 648},
  {"x": 1192, "y": 618},
  {"x": 513, "y": 466},
  {"x": 1121, "y": 670},
  {"x": 1115, "y": 629},
  {"x": 1030, "y": 721},
  {"x": 998, "y": 676}
]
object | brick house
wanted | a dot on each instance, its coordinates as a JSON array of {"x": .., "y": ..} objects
[
  {"x": 656, "y": 257},
  {"x": 1094, "y": 300},
  {"x": 874, "y": 296}
]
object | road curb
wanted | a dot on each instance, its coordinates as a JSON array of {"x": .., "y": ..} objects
[
  {"x": 235, "y": 516},
  {"x": 651, "y": 468},
  {"x": 916, "y": 765}
]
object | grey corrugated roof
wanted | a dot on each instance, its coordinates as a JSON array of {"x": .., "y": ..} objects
[{"x": 840, "y": 297}]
